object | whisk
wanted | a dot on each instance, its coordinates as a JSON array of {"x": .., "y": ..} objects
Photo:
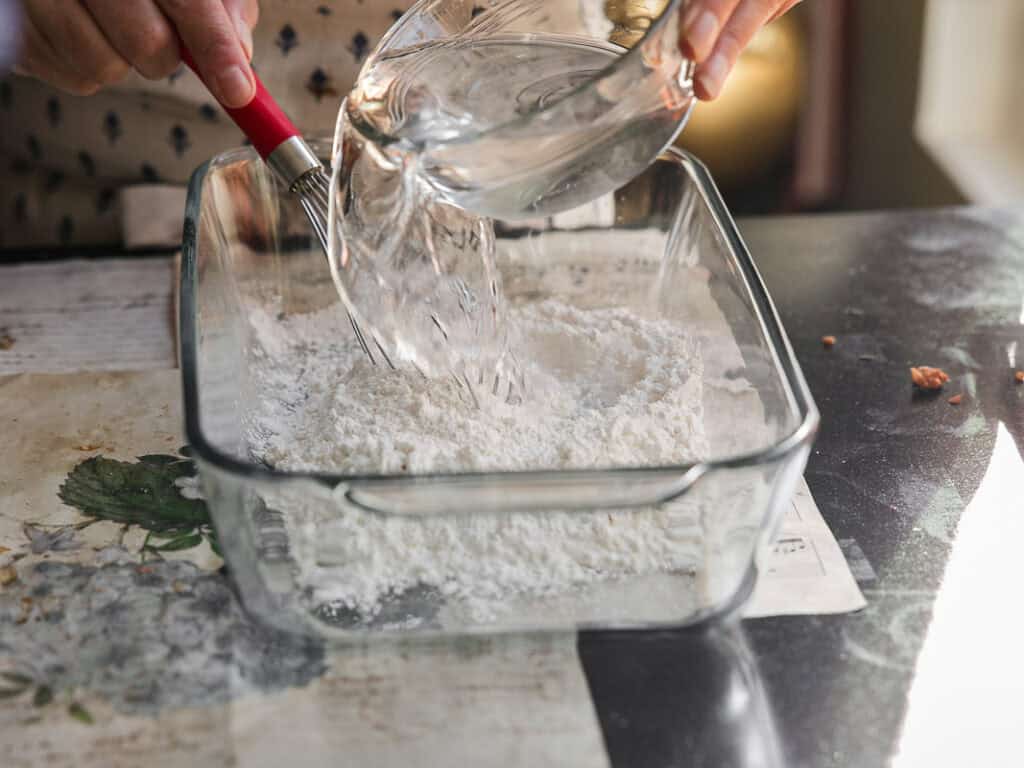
[{"x": 294, "y": 163}]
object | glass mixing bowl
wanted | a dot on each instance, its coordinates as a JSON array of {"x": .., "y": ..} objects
[
  {"x": 663, "y": 245},
  {"x": 535, "y": 106}
]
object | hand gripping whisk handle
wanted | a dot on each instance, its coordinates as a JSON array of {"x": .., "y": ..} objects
[{"x": 273, "y": 135}]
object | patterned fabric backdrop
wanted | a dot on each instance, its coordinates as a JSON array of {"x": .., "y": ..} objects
[{"x": 67, "y": 156}]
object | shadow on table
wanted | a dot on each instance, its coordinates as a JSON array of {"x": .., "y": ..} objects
[{"x": 690, "y": 697}]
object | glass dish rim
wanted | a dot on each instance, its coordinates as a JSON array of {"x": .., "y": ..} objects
[{"x": 798, "y": 393}]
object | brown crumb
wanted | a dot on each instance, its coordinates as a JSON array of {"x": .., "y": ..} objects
[
  {"x": 26, "y": 610},
  {"x": 88, "y": 447},
  {"x": 8, "y": 575},
  {"x": 955, "y": 400},
  {"x": 828, "y": 341},
  {"x": 6, "y": 341},
  {"x": 1019, "y": 377},
  {"x": 928, "y": 378}
]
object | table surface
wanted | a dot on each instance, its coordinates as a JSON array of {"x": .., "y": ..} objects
[
  {"x": 932, "y": 672},
  {"x": 923, "y": 495}
]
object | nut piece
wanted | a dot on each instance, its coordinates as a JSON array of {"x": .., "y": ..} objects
[
  {"x": 1019, "y": 377},
  {"x": 928, "y": 378},
  {"x": 8, "y": 575},
  {"x": 956, "y": 400},
  {"x": 828, "y": 341}
]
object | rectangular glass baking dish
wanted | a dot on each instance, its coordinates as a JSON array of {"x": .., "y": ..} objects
[{"x": 663, "y": 244}]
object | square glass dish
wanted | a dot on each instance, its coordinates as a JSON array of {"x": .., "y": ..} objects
[{"x": 636, "y": 543}]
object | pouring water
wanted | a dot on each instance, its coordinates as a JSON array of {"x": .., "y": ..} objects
[{"x": 514, "y": 112}]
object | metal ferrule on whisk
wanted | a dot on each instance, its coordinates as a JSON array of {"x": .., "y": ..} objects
[{"x": 292, "y": 160}]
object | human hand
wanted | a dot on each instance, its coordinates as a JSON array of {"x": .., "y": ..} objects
[
  {"x": 82, "y": 45},
  {"x": 715, "y": 32}
]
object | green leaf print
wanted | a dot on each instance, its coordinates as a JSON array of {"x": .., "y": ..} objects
[
  {"x": 145, "y": 493},
  {"x": 43, "y": 696},
  {"x": 142, "y": 494},
  {"x": 80, "y": 713}
]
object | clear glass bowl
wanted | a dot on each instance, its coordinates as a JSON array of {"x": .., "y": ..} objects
[
  {"x": 549, "y": 130},
  {"x": 663, "y": 245}
]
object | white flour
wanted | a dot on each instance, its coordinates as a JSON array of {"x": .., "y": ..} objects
[{"x": 606, "y": 388}]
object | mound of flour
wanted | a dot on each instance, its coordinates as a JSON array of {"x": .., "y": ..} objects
[{"x": 605, "y": 387}]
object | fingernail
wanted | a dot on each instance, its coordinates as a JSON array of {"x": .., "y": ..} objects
[
  {"x": 712, "y": 75},
  {"x": 699, "y": 36},
  {"x": 244, "y": 36},
  {"x": 236, "y": 87}
]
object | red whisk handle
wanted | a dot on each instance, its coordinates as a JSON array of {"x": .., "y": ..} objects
[{"x": 262, "y": 120}]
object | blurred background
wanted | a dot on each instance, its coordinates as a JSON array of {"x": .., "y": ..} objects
[
  {"x": 840, "y": 105},
  {"x": 865, "y": 104}
]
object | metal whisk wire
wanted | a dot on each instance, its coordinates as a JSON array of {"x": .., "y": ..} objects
[
  {"x": 302, "y": 173},
  {"x": 313, "y": 190},
  {"x": 282, "y": 147}
]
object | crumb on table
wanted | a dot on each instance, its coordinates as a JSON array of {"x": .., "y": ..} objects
[
  {"x": 956, "y": 399},
  {"x": 1019, "y": 377},
  {"x": 8, "y": 575},
  {"x": 925, "y": 377},
  {"x": 6, "y": 341},
  {"x": 828, "y": 341}
]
